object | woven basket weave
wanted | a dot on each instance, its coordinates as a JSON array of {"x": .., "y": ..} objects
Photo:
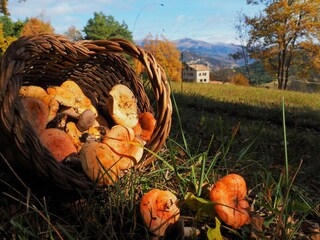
[{"x": 96, "y": 66}]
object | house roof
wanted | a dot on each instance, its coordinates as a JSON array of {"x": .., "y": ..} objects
[{"x": 198, "y": 67}]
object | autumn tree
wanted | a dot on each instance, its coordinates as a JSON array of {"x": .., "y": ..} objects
[
  {"x": 238, "y": 79},
  {"x": 284, "y": 30},
  {"x": 167, "y": 55},
  {"x": 36, "y": 26},
  {"x": 73, "y": 34},
  {"x": 106, "y": 27}
]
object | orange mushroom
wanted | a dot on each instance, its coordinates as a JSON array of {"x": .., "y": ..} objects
[
  {"x": 145, "y": 126},
  {"x": 229, "y": 195},
  {"x": 82, "y": 102},
  {"x": 159, "y": 209},
  {"x": 74, "y": 134},
  {"x": 122, "y": 106},
  {"x": 37, "y": 113},
  {"x": 58, "y": 143},
  {"x": 123, "y": 143},
  {"x": 98, "y": 163},
  {"x": 63, "y": 96},
  {"x": 40, "y": 93}
]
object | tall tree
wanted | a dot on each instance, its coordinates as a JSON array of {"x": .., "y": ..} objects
[
  {"x": 282, "y": 32},
  {"x": 167, "y": 55},
  {"x": 73, "y": 34},
  {"x": 106, "y": 27},
  {"x": 35, "y": 26}
]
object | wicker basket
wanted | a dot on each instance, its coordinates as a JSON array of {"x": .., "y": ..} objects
[{"x": 96, "y": 66}]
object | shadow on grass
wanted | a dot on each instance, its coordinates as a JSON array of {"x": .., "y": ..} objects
[
  {"x": 295, "y": 117},
  {"x": 202, "y": 117}
]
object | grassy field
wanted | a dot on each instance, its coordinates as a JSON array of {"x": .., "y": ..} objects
[{"x": 216, "y": 130}]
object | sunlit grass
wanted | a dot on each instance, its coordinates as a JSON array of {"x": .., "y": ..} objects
[{"x": 252, "y": 96}]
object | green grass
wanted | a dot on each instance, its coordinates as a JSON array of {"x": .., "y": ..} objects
[
  {"x": 302, "y": 109},
  {"x": 216, "y": 130}
]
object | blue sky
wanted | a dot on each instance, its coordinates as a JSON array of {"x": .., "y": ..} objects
[{"x": 207, "y": 20}]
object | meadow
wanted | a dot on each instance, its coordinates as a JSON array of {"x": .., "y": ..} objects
[{"x": 269, "y": 137}]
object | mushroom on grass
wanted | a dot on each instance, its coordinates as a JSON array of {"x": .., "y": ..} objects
[
  {"x": 159, "y": 209},
  {"x": 229, "y": 196}
]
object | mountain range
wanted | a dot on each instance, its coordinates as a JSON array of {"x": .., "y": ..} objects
[{"x": 215, "y": 55}]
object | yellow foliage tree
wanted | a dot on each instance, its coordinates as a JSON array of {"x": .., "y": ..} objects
[
  {"x": 166, "y": 54},
  {"x": 279, "y": 33},
  {"x": 36, "y": 26},
  {"x": 239, "y": 79}
]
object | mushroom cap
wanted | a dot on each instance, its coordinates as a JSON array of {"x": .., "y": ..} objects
[
  {"x": 58, "y": 143},
  {"x": 118, "y": 138},
  {"x": 98, "y": 163},
  {"x": 229, "y": 195},
  {"x": 125, "y": 145},
  {"x": 82, "y": 102},
  {"x": 37, "y": 113},
  {"x": 122, "y": 106},
  {"x": 40, "y": 93},
  {"x": 131, "y": 156},
  {"x": 159, "y": 209},
  {"x": 62, "y": 95},
  {"x": 147, "y": 124}
]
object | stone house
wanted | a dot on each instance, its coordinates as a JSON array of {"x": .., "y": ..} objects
[{"x": 195, "y": 73}]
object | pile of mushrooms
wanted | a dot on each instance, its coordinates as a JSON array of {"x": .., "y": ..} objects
[{"x": 68, "y": 124}]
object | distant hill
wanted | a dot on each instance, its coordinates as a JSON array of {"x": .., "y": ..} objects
[{"x": 216, "y": 55}]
